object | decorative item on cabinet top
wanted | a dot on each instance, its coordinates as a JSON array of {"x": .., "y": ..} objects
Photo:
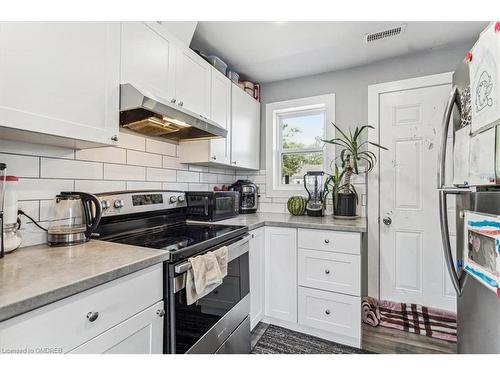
[{"x": 148, "y": 114}]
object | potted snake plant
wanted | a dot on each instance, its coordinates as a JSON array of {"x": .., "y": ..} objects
[{"x": 353, "y": 155}]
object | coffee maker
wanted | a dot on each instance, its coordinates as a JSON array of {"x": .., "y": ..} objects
[
  {"x": 313, "y": 183},
  {"x": 248, "y": 196}
]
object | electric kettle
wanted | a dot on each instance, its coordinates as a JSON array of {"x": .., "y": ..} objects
[{"x": 74, "y": 216}]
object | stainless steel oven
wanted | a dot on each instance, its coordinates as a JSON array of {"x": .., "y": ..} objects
[
  {"x": 218, "y": 322},
  {"x": 212, "y": 205}
]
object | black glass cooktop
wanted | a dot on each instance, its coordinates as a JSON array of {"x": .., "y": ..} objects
[{"x": 174, "y": 238}]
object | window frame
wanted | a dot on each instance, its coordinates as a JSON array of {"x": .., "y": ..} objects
[
  {"x": 281, "y": 151},
  {"x": 274, "y": 152}
]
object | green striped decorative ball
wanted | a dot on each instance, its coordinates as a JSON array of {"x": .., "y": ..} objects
[{"x": 297, "y": 205}]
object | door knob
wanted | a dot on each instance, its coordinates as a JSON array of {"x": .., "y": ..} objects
[{"x": 387, "y": 220}]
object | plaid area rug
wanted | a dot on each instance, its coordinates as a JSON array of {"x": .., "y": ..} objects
[{"x": 421, "y": 320}]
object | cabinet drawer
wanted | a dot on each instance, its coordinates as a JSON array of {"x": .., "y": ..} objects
[
  {"x": 326, "y": 240},
  {"x": 332, "y": 312},
  {"x": 335, "y": 272},
  {"x": 140, "y": 334},
  {"x": 64, "y": 324}
]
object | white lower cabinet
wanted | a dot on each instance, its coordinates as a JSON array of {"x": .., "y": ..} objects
[
  {"x": 140, "y": 334},
  {"x": 115, "y": 311},
  {"x": 331, "y": 312},
  {"x": 257, "y": 267},
  {"x": 312, "y": 282},
  {"x": 335, "y": 272},
  {"x": 281, "y": 273}
]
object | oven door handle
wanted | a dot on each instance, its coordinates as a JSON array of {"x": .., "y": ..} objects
[{"x": 234, "y": 250}]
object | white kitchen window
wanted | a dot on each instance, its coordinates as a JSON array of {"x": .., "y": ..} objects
[{"x": 294, "y": 129}]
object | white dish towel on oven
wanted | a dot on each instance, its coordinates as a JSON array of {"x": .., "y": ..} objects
[{"x": 206, "y": 274}]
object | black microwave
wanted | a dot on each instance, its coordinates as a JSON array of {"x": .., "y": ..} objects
[{"x": 212, "y": 205}]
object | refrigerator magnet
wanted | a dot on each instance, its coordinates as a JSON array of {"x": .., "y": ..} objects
[
  {"x": 482, "y": 249},
  {"x": 484, "y": 72}
]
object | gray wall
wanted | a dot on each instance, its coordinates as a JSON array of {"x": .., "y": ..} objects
[{"x": 351, "y": 85}]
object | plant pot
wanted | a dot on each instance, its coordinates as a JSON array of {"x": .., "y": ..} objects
[{"x": 346, "y": 205}]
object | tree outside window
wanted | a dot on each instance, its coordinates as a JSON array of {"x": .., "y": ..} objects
[{"x": 301, "y": 149}]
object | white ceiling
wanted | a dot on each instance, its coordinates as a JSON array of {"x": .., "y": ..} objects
[{"x": 272, "y": 51}]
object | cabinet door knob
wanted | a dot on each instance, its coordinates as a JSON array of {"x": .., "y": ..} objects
[
  {"x": 327, "y": 312},
  {"x": 327, "y": 240},
  {"x": 181, "y": 103},
  {"x": 114, "y": 138},
  {"x": 173, "y": 101},
  {"x": 214, "y": 157},
  {"x": 160, "y": 313},
  {"x": 233, "y": 162},
  {"x": 327, "y": 272},
  {"x": 92, "y": 316}
]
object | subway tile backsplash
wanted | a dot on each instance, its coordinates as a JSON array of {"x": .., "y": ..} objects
[{"x": 137, "y": 163}]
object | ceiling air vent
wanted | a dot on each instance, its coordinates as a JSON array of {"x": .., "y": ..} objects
[{"x": 394, "y": 31}]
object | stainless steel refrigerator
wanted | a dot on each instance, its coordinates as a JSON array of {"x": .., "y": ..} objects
[{"x": 475, "y": 188}]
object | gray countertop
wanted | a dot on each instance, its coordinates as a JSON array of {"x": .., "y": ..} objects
[
  {"x": 35, "y": 276},
  {"x": 254, "y": 221}
]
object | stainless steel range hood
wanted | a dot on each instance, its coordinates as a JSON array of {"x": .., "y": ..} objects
[{"x": 148, "y": 114}]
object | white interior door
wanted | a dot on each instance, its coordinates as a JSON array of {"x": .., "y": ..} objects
[{"x": 412, "y": 267}]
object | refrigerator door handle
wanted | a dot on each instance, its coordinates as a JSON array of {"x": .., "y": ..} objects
[
  {"x": 457, "y": 280},
  {"x": 444, "y": 135}
]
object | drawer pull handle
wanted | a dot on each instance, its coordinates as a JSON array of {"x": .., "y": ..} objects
[
  {"x": 327, "y": 312},
  {"x": 327, "y": 240},
  {"x": 92, "y": 316},
  {"x": 327, "y": 272},
  {"x": 160, "y": 313}
]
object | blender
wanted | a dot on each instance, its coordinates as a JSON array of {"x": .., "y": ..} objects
[
  {"x": 313, "y": 183},
  {"x": 11, "y": 223}
]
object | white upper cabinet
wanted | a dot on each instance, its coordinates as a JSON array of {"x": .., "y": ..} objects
[
  {"x": 61, "y": 79},
  {"x": 214, "y": 151},
  {"x": 148, "y": 59},
  {"x": 192, "y": 81},
  {"x": 220, "y": 112},
  {"x": 245, "y": 129}
]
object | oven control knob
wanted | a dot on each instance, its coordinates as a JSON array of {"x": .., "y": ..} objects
[
  {"x": 181, "y": 198},
  {"x": 173, "y": 199},
  {"x": 105, "y": 205},
  {"x": 119, "y": 203}
]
